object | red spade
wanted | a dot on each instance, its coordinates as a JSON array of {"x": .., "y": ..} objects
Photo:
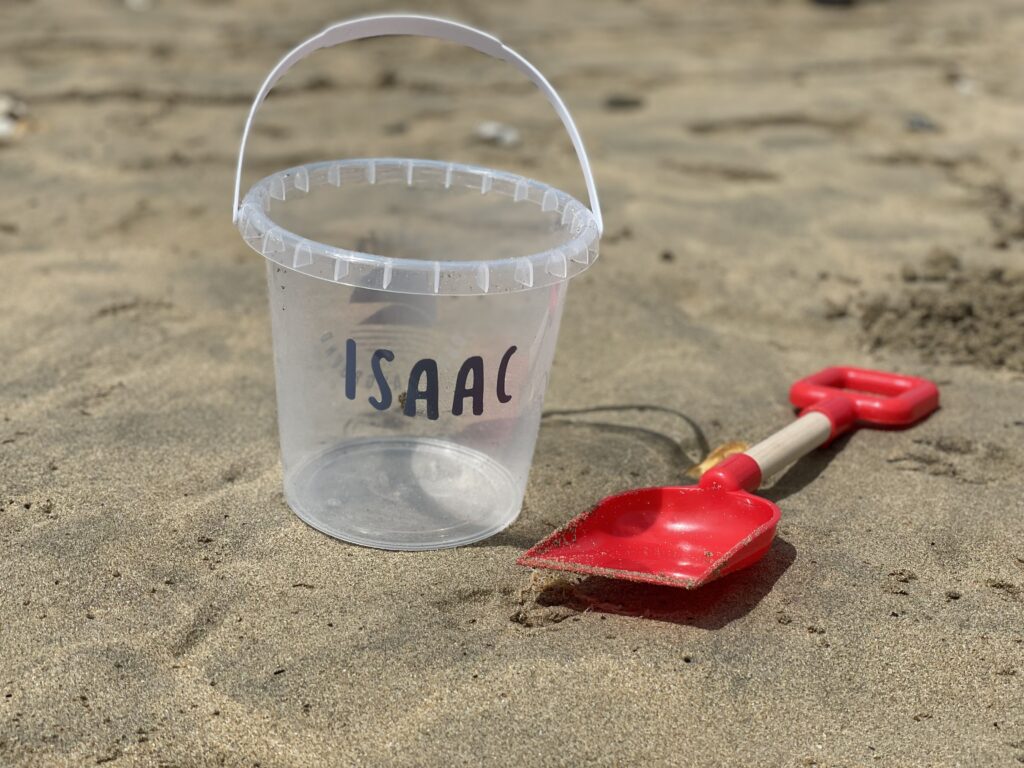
[{"x": 688, "y": 536}]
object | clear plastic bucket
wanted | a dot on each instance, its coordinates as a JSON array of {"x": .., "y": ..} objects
[{"x": 415, "y": 308}]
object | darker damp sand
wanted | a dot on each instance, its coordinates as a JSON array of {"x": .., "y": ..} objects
[{"x": 972, "y": 316}]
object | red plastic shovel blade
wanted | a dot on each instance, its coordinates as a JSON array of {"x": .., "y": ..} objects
[{"x": 682, "y": 537}]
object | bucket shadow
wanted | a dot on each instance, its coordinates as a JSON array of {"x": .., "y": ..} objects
[
  {"x": 698, "y": 433},
  {"x": 597, "y": 448},
  {"x": 710, "y": 607}
]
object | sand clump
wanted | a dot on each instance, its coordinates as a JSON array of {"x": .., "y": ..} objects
[{"x": 948, "y": 312}]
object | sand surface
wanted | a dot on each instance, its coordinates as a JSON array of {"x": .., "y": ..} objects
[{"x": 786, "y": 186}]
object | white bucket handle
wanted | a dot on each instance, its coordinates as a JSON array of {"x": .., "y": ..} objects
[{"x": 419, "y": 26}]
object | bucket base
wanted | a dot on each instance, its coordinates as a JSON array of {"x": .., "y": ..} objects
[{"x": 404, "y": 494}]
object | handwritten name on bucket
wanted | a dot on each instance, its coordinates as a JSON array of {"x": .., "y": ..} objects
[{"x": 423, "y": 383}]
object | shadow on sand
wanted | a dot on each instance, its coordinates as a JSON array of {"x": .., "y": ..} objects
[
  {"x": 801, "y": 474},
  {"x": 710, "y": 607}
]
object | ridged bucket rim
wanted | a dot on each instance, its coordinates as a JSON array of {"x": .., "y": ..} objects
[{"x": 345, "y": 266}]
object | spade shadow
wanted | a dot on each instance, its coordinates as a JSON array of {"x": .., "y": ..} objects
[
  {"x": 805, "y": 471},
  {"x": 711, "y": 607},
  {"x": 714, "y": 605}
]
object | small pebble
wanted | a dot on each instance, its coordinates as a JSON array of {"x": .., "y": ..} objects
[
  {"x": 921, "y": 123},
  {"x": 497, "y": 134},
  {"x": 835, "y": 310},
  {"x": 12, "y": 118},
  {"x": 623, "y": 101}
]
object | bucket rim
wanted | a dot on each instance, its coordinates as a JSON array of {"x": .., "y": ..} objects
[{"x": 355, "y": 268}]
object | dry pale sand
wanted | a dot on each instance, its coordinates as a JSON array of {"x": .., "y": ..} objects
[{"x": 784, "y": 185}]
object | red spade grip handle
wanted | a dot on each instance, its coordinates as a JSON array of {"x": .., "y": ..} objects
[
  {"x": 847, "y": 397},
  {"x": 853, "y": 397}
]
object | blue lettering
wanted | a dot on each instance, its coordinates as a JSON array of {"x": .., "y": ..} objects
[
  {"x": 350, "y": 369},
  {"x": 428, "y": 393},
  {"x": 385, "y": 390},
  {"x": 503, "y": 396},
  {"x": 474, "y": 365}
]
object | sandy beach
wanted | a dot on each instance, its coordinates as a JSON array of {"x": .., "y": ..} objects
[{"x": 786, "y": 186}]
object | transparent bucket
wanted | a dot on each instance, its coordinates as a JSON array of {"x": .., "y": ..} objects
[{"x": 415, "y": 307}]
